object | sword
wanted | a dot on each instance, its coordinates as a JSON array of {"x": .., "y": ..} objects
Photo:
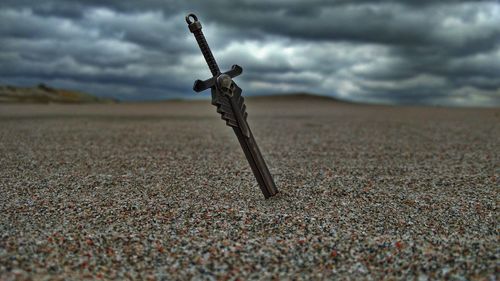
[{"x": 226, "y": 96}]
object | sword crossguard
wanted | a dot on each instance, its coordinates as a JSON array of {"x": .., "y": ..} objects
[{"x": 200, "y": 85}]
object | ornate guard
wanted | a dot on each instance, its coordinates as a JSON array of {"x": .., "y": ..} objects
[{"x": 226, "y": 96}]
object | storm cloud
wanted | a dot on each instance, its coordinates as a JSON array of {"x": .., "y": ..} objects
[{"x": 401, "y": 52}]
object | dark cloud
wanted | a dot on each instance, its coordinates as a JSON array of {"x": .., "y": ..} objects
[{"x": 445, "y": 52}]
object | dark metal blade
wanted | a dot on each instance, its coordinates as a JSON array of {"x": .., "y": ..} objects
[
  {"x": 233, "y": 110},
  {"x": 256, "y": 161}
]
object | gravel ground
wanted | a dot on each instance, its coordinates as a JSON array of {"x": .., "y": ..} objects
[{"x": 163, "y": 191}]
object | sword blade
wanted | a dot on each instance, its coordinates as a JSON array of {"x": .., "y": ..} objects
[
  {"x": 257, "y": 163},
  {"x": 250, "y": 148},
  {"x": 232, "y": 109}
]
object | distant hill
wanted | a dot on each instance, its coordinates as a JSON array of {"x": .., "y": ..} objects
[
  {"x": 45, "y": 94},
  {"x": 294, "y": 96}
]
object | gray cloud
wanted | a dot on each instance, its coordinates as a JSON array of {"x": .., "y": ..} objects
[{"x": 376, "y": 51}]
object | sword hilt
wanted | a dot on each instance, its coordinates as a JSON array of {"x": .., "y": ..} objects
[{"x": 195, "y": 28}]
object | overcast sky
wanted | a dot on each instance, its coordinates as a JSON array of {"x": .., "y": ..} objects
[{"x": 424, "y": 52}]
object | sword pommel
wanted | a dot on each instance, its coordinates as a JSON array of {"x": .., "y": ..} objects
[{"x": 193, "y": 23}]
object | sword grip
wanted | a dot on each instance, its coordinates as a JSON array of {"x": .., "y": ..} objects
[{"x": 195, "y": 28}]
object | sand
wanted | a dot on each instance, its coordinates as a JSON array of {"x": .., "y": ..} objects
[{"x": 162, "y": 191}]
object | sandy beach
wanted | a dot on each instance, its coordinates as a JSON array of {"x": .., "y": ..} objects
[{"x": 162, "y": 191}]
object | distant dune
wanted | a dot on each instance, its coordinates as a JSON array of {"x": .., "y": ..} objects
[
  {"x": 299, "y": 96},
  {"x": 45, "y": 94}
]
